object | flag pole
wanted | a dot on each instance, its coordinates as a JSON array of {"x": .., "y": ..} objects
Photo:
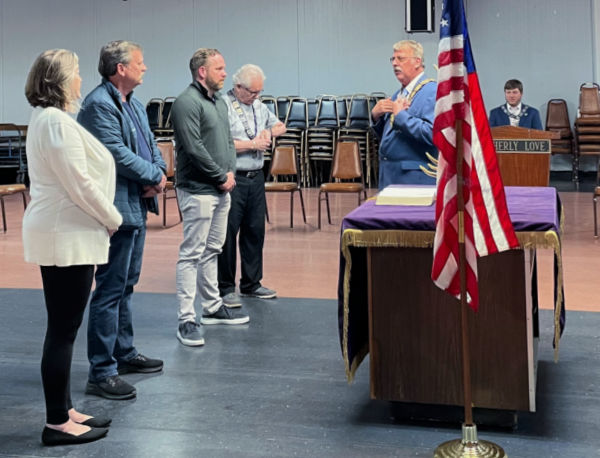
[
  {"x": 466, "y": 351},
  {"x": 469, "y": 445}
]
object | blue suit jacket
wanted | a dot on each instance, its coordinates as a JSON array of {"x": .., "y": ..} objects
[
  {"x": 530, "y": 118},
  {"x": 403, "y": 144}
]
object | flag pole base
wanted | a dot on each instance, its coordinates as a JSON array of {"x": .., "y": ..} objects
[{"x": 469, "y": 446}]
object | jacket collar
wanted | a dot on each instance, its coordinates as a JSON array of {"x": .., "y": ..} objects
[
  {"x": 114, "y": 92},
  {"x": 204, "y": 91},
  {"x": 522, "y": 113}
]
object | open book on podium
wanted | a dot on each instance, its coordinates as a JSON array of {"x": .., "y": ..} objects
[{"x": 400, "y": 194}]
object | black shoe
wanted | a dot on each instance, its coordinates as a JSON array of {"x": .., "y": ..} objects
[
  {"x": 113, "y": 387},
  {"x": 141, "y": 364},
  {"x": 53, "y": 437},
  {"x": 97, "y": 422}
]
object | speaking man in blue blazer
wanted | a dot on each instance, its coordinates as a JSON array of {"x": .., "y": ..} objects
[
  {"x": 404, "y": 122},
  {"x": 514, "y": 112}
]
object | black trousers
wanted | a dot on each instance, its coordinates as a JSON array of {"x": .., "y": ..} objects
[
  {"x": 66, "y": 291},
  {"x": 246, "y": 217}
]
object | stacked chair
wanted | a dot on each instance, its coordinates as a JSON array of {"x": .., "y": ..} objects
[
  {"x": 587, "y": 126},
  {"x": 377, "y": 96},
  {"x": 159, "y": 116},
  {"x": 283, "y": 103},
  {"x": 154, "y": 109},
  {"x": 557, "y": 120},
  {"x": 13, "y": 157},
  {"x": 296, "y": 123},
  {"x": 166, "y": 127},
  {"x": 312, "y": 106},
  {"x": 321, "y": 137},
  {"x": 271, "y": 103},
  {"x": 315, "y": 125},
  {"x": 343, "y": 101},
  {"x": 358, "y": 128},
  {"x": 13, "y": 138}
]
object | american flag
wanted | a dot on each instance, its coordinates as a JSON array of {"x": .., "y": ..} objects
[{"x": 487, "y": 225}]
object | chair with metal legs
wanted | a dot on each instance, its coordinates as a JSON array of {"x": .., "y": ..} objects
[{"x": 346, "y": 168}]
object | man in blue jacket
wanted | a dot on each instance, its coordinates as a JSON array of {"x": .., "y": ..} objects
[
  {"x": 404, "y": 122},
  {"x": 515, "y": 113},
  {"x": 119, "y": 121}
]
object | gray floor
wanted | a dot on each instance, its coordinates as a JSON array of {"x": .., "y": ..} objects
[{"x": 276, "y": 387}]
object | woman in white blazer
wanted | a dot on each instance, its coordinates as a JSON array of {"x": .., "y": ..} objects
[{"x": 66, "y": 229}]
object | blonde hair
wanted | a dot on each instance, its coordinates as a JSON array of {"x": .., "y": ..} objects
[
  {"x": 415, "y": 47},
  {"x": 50, "y": 80}
]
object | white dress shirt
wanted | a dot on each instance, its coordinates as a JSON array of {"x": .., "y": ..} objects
[{"x": 515, "y": 112}]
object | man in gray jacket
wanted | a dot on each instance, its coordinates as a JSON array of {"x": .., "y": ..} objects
[
  {"x": 205, "y": 177},
  {"x": 116, "y": 118}
]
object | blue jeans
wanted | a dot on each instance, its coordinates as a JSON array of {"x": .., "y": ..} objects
[{"x": 110, "y": 327}]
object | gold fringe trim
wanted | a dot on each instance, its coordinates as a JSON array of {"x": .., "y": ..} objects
[
  {"x": 424, "y": 239},
  {"x": 364, "y": 239},
  {"x": 550, "y": 240}
]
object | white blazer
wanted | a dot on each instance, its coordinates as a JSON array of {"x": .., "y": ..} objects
[{"x": 72, "y": 191}]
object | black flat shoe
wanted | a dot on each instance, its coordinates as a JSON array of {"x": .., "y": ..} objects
[
  {"x": 54, "y": 437},
  {"x": 97, "y": 422}
]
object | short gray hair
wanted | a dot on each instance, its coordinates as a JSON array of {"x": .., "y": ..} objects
[
  {"x": 50, "y": 78},
  {"x": 115, "y": 53},
  {"x": 415, "y": 46},
  {"x": 247, "y": 73},
  {"x": 199, "y": 59}
]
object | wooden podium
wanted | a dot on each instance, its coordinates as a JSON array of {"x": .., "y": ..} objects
[{"x": 523, "y": 155}]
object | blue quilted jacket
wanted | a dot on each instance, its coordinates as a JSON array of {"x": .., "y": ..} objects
[{"x": 104, "y": 116}]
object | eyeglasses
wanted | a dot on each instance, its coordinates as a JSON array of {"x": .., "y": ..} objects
[
  {"x": 400, "y": 59},
  {"x": 252, "y": 93}
]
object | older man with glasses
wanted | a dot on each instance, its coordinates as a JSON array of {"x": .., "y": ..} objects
[
  {"x": 252, "y": 126},
  {"x": 404, "y": 122}
]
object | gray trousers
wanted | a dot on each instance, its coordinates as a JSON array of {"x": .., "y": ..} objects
[{"x": 204, "y": 231}]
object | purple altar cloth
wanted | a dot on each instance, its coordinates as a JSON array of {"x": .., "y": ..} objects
[{"x": 532, "y": 209}]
